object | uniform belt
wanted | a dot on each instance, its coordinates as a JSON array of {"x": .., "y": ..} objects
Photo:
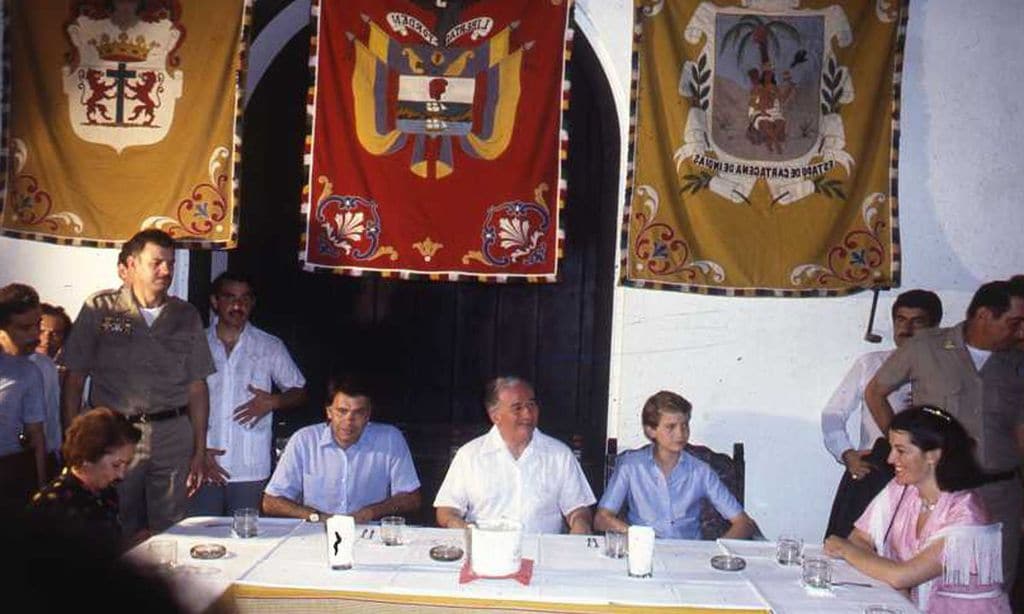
[{"x": 157, "y": 416}]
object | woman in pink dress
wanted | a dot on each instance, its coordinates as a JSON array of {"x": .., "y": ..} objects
[{"x": 927, "y": 531}]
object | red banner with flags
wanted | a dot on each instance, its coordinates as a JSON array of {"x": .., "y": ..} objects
[{"x": 437, "y": 138}]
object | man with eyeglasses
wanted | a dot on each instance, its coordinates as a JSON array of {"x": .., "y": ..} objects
[
  {"x": 349, "y": 465},
  {"x": 515, "y": 471},
  {"x": 250, "y": 364}
]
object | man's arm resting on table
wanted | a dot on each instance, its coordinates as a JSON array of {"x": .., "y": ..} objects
[
  {"x": 71, "y": 396},
  {"x": 392, "y": 506},
  {"x": 607, "y": 520},
  {"x": 450, "y": 518},
  {"x": 286, "y": 508},
  {"x": 876, "y": 396},
  {"x": 580, "y": 520},
  {"x": 741, "y": 526},
  {"x": 37, "y": 441}
]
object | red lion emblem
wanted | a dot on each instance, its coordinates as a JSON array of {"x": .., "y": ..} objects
[
  {"x": 99, "y": 90},
  {"x": 142, "y": 91}
]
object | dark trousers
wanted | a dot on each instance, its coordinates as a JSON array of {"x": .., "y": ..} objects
[{"x": 853, "y": 496}]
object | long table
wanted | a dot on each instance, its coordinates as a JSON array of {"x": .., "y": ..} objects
[{"x": 285, "y": 569}]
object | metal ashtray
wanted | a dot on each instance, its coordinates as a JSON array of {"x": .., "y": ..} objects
[
  {"x": 208, "y": 551},
  {"x": 727, "y": 562},
  {"x": 446, "y": 552}
]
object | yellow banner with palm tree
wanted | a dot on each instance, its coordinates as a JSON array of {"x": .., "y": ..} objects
[{"x": 764, "y": 146}]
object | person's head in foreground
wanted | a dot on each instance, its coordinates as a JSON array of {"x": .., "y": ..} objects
[
  {"x": 512, "y": 407},
  {"x": 928, "y": 531}
]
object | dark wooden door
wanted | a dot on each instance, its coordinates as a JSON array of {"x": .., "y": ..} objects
[{"x": 431, "y": 345}]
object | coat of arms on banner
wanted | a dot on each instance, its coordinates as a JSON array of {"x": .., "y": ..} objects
[
  {"x": 436, "y": 87},
  {"x": 781, "y": 177},
  {"x": 95, "y": 128},
  {"x": 765, "y": 95},
  {"x": 120, "y": 80}
]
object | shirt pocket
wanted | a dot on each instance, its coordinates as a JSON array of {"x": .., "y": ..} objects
[
  {"x": 175, "y": 350},
  {"x": 324, "y": 493}
]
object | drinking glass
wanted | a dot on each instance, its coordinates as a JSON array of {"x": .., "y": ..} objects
[
  {"x": 817, "y": 572},
  {"x": 615, "y": 544},
  {"x": 163, "y": 553},
  {"x": 245, "y": 522},
  {"x": 391, "y": 528},
  {"x": 788, "y": 550}
]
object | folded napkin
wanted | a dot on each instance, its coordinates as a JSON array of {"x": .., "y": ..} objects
[{"x": 523, "y": 576}]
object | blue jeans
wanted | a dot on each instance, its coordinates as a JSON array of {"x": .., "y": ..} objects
[{"x": 224, "y": 499}]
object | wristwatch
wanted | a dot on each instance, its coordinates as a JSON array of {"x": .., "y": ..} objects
[{"x": 313, "y": 517}]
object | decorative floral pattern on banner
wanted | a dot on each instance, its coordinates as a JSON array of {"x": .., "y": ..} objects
[
  {"x": 765, "y": 146},
  {"x": 124, "y": 115},
  {"x": 435, "y": 128}
]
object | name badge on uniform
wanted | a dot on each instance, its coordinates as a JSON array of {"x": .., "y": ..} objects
[{"x": 116, "y": 325}]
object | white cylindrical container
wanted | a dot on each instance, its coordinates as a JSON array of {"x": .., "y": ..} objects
[
  {"x": 341, "y": 536},
  {"x": 641, "y": 551},
  {"x": 495, "y": 547}
]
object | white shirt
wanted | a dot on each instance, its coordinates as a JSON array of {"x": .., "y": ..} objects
[
  {"x": 259, "y": 359},
  {"x": 51, "y": 399},
  {"x": 486, "y": 482},
  {"x": 978, "y": 356},
  {"x": 849, "y": 399}
]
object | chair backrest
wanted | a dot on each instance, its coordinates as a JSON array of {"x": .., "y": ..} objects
[{"x": 732, "y": 472}]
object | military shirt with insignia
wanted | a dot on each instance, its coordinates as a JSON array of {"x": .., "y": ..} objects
[
  {"x": 135, "y": 367},
  {"x": 989, "y": 402}
]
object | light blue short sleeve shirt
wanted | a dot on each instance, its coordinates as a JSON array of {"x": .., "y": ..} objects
[
  {"x": 672, "y": 506},
  {"x": 315, "y": 471}
]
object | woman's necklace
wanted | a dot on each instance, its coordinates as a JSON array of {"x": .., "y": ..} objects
[{"x": 928, "y": 507}]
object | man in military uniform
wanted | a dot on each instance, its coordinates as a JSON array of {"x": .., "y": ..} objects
[
  {"x": 148, "y": 359},
  {"x": 973, "y": 371}
]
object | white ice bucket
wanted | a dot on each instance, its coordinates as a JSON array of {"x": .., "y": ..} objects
[{"x": 495, "y": 547}]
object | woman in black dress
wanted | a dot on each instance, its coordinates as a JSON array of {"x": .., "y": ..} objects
[{"x": 98, "y": 447}]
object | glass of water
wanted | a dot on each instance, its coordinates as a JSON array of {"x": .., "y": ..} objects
[
  {"x": 788, "y": 550},
  {"x": 245, "y": 522},
  {"x": 817, "y": 572},
  {"x": 391, "y": 529}
]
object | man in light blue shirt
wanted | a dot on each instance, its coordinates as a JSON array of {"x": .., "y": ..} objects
[
  {"x": 347, "y": 466},
  {"x": 664, "y": 485}
]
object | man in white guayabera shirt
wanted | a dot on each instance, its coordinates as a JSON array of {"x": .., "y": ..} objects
[
  {"x": 250, "y": 363},
  {"x": 515, "y": 472}
]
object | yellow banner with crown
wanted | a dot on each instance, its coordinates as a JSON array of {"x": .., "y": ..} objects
[
  {"x": 765, "y": 147},
  {"x": 124, "y": 115}
]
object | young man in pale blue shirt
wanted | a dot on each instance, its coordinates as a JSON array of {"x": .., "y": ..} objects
[
  {"x": 347, "y": 466},
  {"x": 663, "y": 485}
]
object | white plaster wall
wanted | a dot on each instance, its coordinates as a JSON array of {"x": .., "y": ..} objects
[{"x": 759, "y": 370}]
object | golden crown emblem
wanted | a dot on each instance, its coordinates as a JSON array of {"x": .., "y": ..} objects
[{"x": 123, "y": 49}]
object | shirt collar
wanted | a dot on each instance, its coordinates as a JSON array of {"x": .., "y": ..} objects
[
  {"x": 494, "y": 443},
  {"x": 649, "y": 457},
  {"x": 326, "y": 438}
]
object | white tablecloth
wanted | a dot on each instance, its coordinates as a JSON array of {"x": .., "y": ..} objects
[
  {"x": 568, "y": 569},
  {"x": 198, "y": 583}
]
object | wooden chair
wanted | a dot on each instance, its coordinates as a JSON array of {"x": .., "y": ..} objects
[{"x": 732, "y": 472}]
